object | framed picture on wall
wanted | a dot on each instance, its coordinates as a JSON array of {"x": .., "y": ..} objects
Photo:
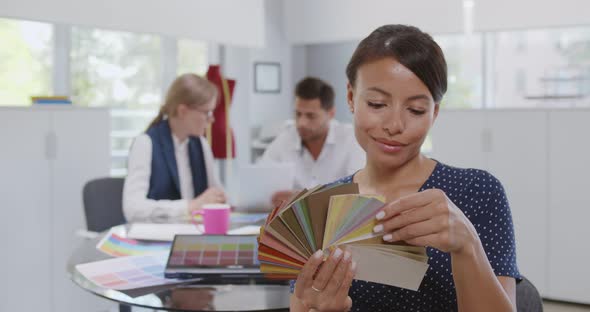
[{"x": 267, "y": 77}]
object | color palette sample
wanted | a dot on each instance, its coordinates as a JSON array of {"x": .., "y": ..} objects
[
  {"x": 214, "y": 251},
  {"x": 336, "y": 216},
  {"x": 119, "y": 246},
  {"x": 128, "y": 272}
]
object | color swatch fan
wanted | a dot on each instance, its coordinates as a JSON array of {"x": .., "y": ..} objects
[{"x": 331, "y": 216}]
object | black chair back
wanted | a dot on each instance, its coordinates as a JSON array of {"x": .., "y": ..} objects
[
  {"x": 528, "y": 298},
  {"x": 103, "y": 203}
]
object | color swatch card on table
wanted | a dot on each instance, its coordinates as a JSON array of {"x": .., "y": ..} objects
[
  {"x": 331, "y": 216},
  {"x": 128, "y": 273},
  {"x": 119, "y": 246},
  {"x": 200, "y": 255}
]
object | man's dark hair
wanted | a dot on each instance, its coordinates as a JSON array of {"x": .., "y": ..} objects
[{"x": 311, "y": 88}]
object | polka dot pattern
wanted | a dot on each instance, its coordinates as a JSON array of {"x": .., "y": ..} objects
[{"x": 482, "y": 199}]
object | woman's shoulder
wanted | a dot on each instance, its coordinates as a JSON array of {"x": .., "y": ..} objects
[
  {"x": 459, "y": 180},
  {"x": 464, "y": 178},
  {"x": 142, "y": 141}
]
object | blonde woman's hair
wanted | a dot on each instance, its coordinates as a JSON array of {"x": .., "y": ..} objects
[{"x": 188, "y": 89}]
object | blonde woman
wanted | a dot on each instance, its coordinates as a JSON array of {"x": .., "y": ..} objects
[{"x": 170, "y": 166}]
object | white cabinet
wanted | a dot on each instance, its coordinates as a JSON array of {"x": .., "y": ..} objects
[
  {"x": 569, "y": 198},
  {"x": 541, "y": 158},
  {"x": 454, "y": 140},
  {"x": 82, "y": 153},
  {"x": 25, "y": 222},
  {"x": 48, "y": 153},
  {"x": 517, "y": 156}
]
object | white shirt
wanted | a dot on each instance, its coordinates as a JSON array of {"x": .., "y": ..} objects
[
  {"x": 340, "y": 156},
  {"x": 136, "y": 205}
]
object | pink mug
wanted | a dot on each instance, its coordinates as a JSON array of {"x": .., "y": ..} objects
[{"x": 215, "y": 218}]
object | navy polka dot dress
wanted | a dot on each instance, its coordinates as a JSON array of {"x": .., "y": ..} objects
[{"x": 482, "y": 199}]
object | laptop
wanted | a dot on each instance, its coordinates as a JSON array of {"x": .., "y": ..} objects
[
  {"x": 219, "y": 256},
  {"x": 257, "y": 184}
]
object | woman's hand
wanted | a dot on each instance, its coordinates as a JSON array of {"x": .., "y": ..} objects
[
  {"x": 326, "y": 289},
  {"x": 212, "y": 195},
  {"x": 427, "y": 218}
]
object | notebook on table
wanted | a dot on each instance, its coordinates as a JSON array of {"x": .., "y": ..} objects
[{"x": 223, "y": 256}]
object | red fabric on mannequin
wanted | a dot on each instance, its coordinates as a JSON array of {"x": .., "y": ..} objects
[{"x": 220, "y": 125}]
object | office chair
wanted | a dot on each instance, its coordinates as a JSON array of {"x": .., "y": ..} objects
[
  {"x": 103, "y": 207},
  {"x": 528, "y": 298},
  {"x": 103, "y": 203}
]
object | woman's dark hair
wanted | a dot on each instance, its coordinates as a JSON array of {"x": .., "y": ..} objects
[
  {"x": 413, "y": 48},
  {"x": 311, "y": 88}
]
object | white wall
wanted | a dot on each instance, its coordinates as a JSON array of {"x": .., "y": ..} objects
[
  {"x": 328, "y": 62},
  {"x": 328, "y": 21},
  {"x": 234, "y": 62},
  {"x": 251, "y": 109},
  {"x": 312, "y": 21},
  {"x": 298, "y": 63},
  {"x": 507, "y": 14},
  {"x": 265, "y": 107},
  {"x": 237, "y": 22}
]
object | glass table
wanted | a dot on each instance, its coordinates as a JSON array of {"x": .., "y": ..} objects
[{"x": 236, "y": 294}]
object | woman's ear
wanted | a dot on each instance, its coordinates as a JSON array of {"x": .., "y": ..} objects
[
  {"x": 436, "y": 108},
  {"x": 350, "y": 97}
]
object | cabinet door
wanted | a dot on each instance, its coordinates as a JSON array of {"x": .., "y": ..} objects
[
  {"x": 457, "y": 138},
  {"x": 82, "y": 154},
  {"x": 25, "y": 201},
  {"x": 569, "y": 205},
  {"x": 517, "y": 156}
]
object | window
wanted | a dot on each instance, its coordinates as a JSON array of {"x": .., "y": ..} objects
[
  {"x": 120, "y": 70},
  {"x": 115, "y": 69},
  {"x": 126, "y": 124},
  {"x": 463, "y": 54},
  {"x": 554, "y": 71},
  {"x": 192, "y": 57},
  {"x": 26, "y": 56}
]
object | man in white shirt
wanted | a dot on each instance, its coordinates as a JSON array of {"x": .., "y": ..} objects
[{"x": 322, "y": 149}]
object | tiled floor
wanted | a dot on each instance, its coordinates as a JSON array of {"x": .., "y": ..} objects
[{"x": 551, "y": 306}]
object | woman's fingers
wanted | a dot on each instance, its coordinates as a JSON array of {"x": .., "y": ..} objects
[
  {"x": 432, "y": 240},
  {"x": 305, "y": 277},
  {"x": 327, "y": 270},
  {"x": 339, "y": 275},
  {"x": 407, "y": 217},
  {"x": 423, "y": 228},
  {"x": 348, "y": 304},
  {"x": 347, "y": 282},
  {"x": 409, "y": 202}
]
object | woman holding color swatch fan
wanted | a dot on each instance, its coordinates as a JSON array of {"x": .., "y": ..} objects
[{"x": 397, "y": 77}]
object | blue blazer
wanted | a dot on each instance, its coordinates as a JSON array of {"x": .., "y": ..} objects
[{"x": 164, "y": 182}]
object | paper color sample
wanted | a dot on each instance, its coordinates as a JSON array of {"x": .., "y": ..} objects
[
  {"x": 331, "y": 216},
  {"x": 126, "y": 273},
  {"x": 118, "y": 246}
]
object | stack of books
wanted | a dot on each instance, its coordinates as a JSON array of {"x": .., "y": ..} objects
[
  {"x": 331, "y": 216},
  {"x": 50, "y": 100}
]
